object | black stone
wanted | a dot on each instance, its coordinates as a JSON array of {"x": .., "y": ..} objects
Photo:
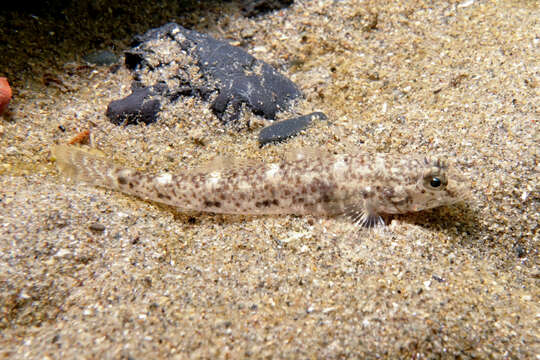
[
  {"x": 231, "y": 76},
  {"x": 285, "y": 129},
  {"x": 135, "y": 108}
]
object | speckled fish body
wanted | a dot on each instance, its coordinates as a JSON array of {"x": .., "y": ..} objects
[{"x": 361, "y": 185}]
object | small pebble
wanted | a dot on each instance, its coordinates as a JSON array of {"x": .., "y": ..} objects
[
  {"x": 5, "y": 94},
  {"x": 285, "y": 129},
  {"x": 135, "y": 108},
  {"x": 12, "y": 150},
  {"x": 438, "y": 278},
  {"x": 62, "y": 253},
  {"x": 97, "y": 227}
]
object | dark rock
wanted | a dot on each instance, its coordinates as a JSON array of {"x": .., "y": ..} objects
[
  {"x": 101, "y": 58},
  {"x": 252, "y": 8},
  {"x": 288, "y": 128},
  {"x": 230, "y": 77},
  {"x": 135, "y": 108}
]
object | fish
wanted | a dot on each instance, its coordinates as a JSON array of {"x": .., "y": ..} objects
[{"x": 361, "y": 186}]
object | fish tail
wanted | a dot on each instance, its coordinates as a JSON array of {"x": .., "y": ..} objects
[{"x": 83, "y": 166}]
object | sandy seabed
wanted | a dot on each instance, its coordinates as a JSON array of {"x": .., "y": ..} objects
[{"x": 91, "y": 273}]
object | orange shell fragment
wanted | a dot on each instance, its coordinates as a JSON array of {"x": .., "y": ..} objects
[{"x": 80, "y": 138}]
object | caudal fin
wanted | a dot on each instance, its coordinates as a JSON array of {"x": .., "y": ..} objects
[{"x": 83, "y": 166}]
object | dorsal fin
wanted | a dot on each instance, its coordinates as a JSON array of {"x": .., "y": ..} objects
[
  {"x": 225, "y": 162},
  {"x": 217, "y": 163},
  {"x": 308, "y": 152}
]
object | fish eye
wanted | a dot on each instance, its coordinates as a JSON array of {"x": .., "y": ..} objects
[{"x": 435, "y": 182}]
